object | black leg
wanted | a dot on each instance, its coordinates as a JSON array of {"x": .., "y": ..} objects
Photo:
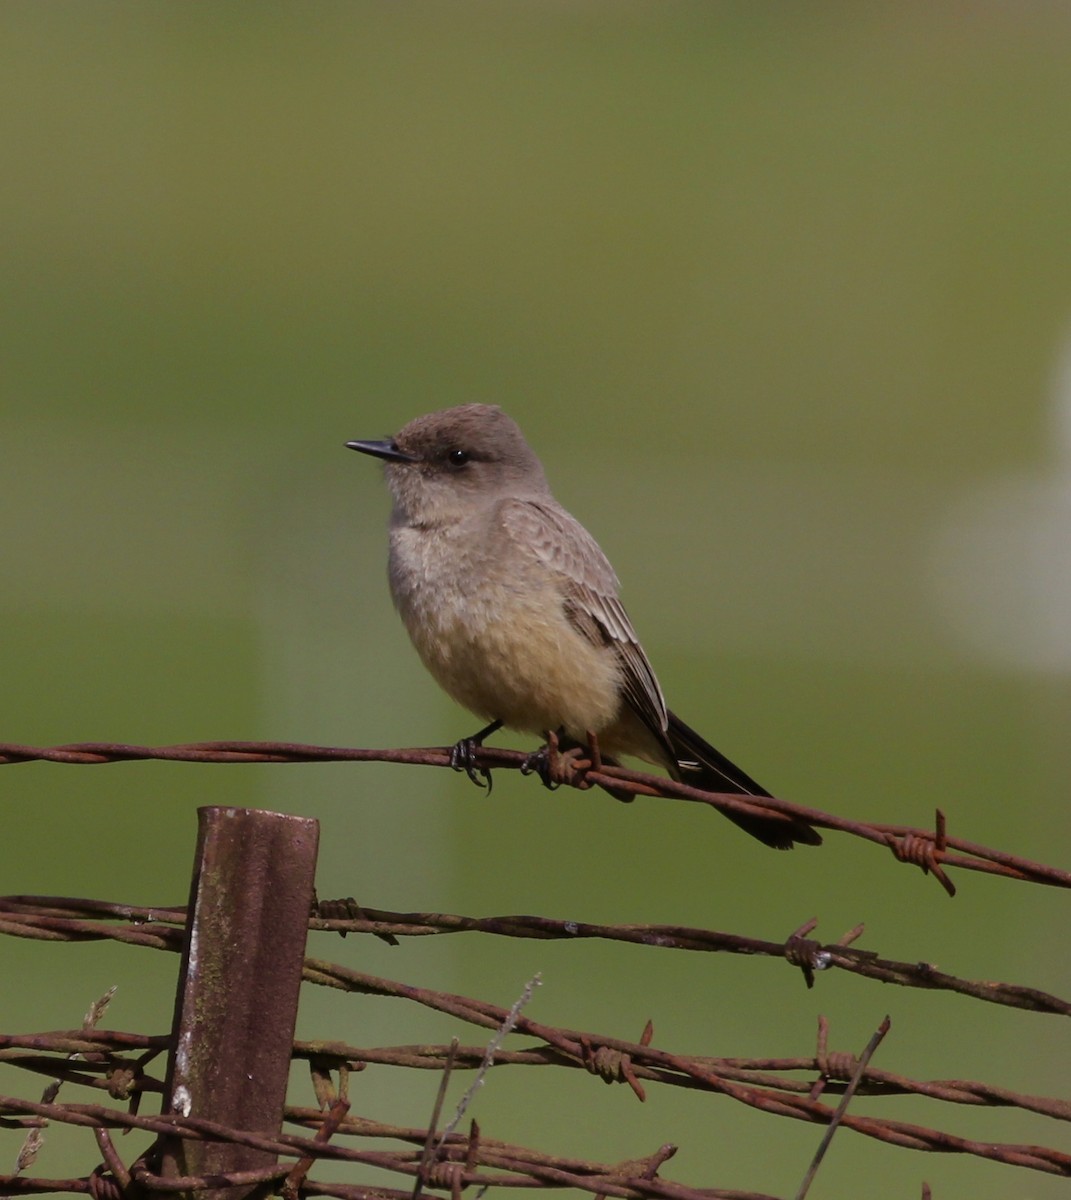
[{"x": 463, "y": 756}]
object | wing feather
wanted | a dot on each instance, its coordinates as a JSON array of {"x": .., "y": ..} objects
[{"x": 589, "y": 588}]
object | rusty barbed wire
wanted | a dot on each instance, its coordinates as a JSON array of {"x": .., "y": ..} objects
[
  {"x": 931, "y": 850},
  {"x": 772, "y": 1095},
  {"x": 571, "y": 1044},
  {"x": 457, "y": 1159},
  {"x": 118, "y": 1063},
  {"x": 809, "y": 955},
  {"x": 50, "y": 918},
  {"x": 831, "y": 1070},
  {"x": 826, "y": 1072}
]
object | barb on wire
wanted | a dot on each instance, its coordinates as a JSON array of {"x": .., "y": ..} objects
[
  {"x": 932, "y": 851},
  {"x": 294, "y": 1184},
  {"x": 842, "y": 1107},
  {"x": 615, "y": 1066}
]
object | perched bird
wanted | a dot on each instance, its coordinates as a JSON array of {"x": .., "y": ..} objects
[{"x": 514, "y": 609}]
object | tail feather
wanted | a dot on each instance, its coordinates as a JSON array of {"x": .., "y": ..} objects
[{"x": 704, "y": 767}]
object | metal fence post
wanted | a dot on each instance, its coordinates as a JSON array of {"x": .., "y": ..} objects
[{"x": 236, "y": 1004}]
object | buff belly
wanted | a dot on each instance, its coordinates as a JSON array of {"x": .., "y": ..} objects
[{"x": 518, "y": 660}]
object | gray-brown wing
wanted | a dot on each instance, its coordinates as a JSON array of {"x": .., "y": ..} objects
[{"x": 590, "y": 585}]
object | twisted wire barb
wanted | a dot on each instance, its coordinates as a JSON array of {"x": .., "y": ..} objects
[{"x": 931, "y": 850}]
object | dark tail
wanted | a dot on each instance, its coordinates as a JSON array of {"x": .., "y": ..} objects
[{"x": 704, "y": 767}]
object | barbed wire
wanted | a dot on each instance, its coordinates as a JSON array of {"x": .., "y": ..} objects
[
  {"x": 931, "y": 850},
  {"x": 102, "y": 1066},
  {"x": 751, "y": 1082},
  {"x": 49, "y": 918},
  {"x": 104, "y": 1057},
  {"x": 809, "y": 955},
  {"x": 457, "y": 1164},
  {"x": 580, "y": 1046},
  {"x": 761, "y": 1084},
  {"x": 118, "y": 1062},
  {"x": 802, "y": 1088}
]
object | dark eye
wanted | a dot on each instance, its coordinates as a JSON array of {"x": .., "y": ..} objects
[{"x": 458, "y": 458}]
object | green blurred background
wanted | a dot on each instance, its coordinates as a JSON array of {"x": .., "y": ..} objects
[{"x": 780, "y": 293}]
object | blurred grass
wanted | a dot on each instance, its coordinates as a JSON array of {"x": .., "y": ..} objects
[{"x": 769, "y": 288}]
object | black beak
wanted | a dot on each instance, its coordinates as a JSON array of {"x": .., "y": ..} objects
[{"x": 387, "y": 450}]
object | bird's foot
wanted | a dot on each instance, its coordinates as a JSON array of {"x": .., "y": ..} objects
[
  {"x": 562, "y": 761},
  {"x": 463, "y": 757},
  {"x": 543, "y": 762}
]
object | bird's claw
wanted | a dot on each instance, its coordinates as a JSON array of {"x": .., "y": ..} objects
[
  {"x": 539, "y": 763},
  {"x": 463, "y": 758},
  {"x": 555, "y": 765}
]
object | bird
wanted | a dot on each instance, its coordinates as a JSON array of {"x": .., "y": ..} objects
[{"x": 515, "y": 610}]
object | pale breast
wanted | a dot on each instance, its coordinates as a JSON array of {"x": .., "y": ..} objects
[{"x": 496, "y": 636}]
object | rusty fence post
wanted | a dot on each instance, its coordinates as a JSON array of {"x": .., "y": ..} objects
[{"x": 236, "y": 1004}]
